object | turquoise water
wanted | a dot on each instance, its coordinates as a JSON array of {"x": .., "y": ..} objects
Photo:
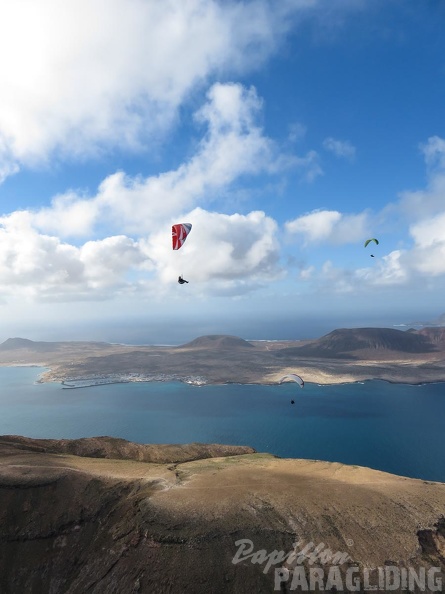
[{"x": 392, "y": 427}]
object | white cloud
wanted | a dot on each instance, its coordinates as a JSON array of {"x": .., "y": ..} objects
[
  {"x": 340, "y": 148},
  {"x": 329, "y": 226},
  {"x": 80, "y": 77},
  {"x": 421, "y": 264},
  {"x": 233, "y": 145},
  {"x": 236, "y": 251},
  {"x": 434, "y": 151},
  {"x": 306, "y": 273},
  {"x": 426, "y": 258},
  {"x": 68, "y": 215},
  {"x": 297, "y": 131},
  {"x": 222, "y": 249},
  {"x": 107, "y": 261},
  {"x": 315, "y": 226},
  {"x": 416, "y": 266},
  {"x": 429, "y": 201},
  {"x": 42, "y": 266},
  {"x": 310, "y": 163},
  {"x": 429, "y": 232}
]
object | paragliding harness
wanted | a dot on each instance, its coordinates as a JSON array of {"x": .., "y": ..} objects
[{"x": 181, "y": 281}]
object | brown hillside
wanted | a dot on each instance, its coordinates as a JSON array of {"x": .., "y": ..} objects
[
  {"x": 121, "y": 449},
  {"x": 73, "y": 524},
  {"x": 13, "y": 344},
  {"x": 435, "y": 336},
  {"x": 344, "y": 342},
  {"x": 217, "y": 341}
]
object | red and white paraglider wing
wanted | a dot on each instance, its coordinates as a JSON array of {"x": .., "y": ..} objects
[{"x": 179, "y": 234}]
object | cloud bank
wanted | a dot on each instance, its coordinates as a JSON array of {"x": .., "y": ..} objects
[
  {"x": 235, "y": 252},
  {"x": 83, "y": 77}
]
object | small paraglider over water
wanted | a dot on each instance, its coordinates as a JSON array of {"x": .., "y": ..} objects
[{"x": 293, "y": 377}]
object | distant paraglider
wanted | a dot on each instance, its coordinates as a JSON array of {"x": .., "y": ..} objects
[
  {"x": 293, "y": 377},
  {"x": 368, "y": 241},
  {"x": 181, "y": 280}
]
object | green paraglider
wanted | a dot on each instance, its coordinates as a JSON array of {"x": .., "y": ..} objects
[{"x": 368, "y": 241}]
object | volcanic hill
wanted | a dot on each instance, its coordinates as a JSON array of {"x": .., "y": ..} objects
[
  {"x": 346, "y": 342},
  {"x": 217, "y": 341}
]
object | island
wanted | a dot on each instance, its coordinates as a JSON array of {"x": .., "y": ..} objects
[{"x": 344, "y": 355}]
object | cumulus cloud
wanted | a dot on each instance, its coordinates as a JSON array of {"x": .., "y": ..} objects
[
  {"x": 329, "y": 226},
  {"x": 417, "y": 204},
  {"x": 224, "y": 249},
  {"x": 68, "y": 215},
  {"x": 419, "y": 264},
  {"x": 82, "y": 77},
  {"x": 236, "y": 252},
  {"x": 39, "y": 265},
  {"x": 415, "y": 266},
  {"x": 340, "y": 148},
  {"x": 233, "y": 145},
  {"x": 425, "y": 258}
]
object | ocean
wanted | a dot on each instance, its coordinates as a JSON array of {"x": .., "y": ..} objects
[{"x": 396, "y": 428}]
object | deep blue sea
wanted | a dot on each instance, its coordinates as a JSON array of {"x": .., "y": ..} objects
[{"x": 392, "y": 427}]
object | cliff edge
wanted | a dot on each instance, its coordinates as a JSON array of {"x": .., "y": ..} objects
[{"x": 93, "y": 524}]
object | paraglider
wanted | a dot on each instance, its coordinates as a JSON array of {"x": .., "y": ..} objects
[
  {"x": 293, "y": 377},
  {"x": 368, "y": 241},
  {"x": 179, "y": 234}
]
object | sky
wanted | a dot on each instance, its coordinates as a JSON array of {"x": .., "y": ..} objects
[{"x": 287, "y": 133}]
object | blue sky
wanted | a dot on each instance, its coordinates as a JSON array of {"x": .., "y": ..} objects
[{"x": 286, "y": 133}]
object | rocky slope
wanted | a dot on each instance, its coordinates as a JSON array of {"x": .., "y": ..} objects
[
  {"x": 120, "y": 449},
  {"x": 353, "y": 343},
  {"x": 76, "y": 524}
]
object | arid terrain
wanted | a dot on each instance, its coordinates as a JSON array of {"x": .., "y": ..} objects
[
  {"x": 102, "y": 515},
  {"x": 344, "y": 355}
]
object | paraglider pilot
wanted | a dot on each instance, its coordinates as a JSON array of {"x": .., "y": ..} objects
[{"x": 181, "y": 280}]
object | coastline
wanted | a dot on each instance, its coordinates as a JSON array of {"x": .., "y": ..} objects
[
  {"x": 220, "y": 360},
  {"x": 320, "y": 380}
]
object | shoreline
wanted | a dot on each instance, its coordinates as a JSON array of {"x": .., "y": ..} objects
[
  {"x": 202, "y": 382},
  {"x": 345, "y": 356}
]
